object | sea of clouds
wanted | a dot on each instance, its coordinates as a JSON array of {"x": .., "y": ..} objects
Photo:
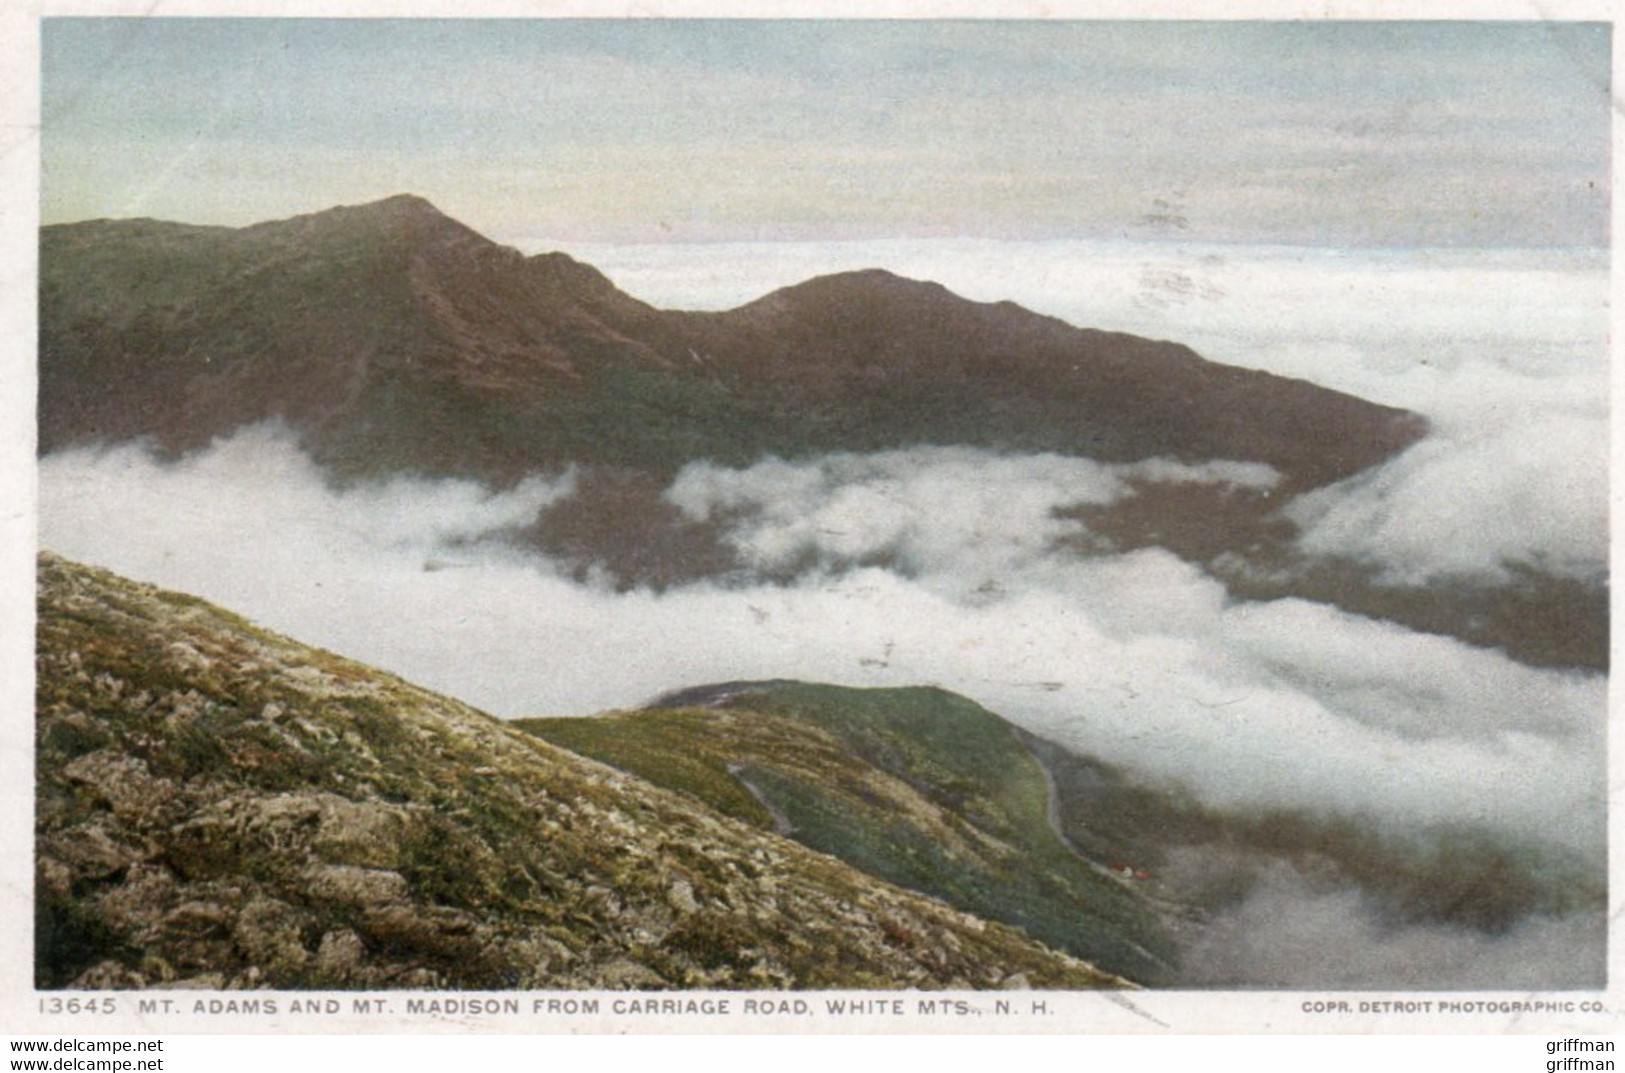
[
  {"x": 1505, "y": 352},
  {"x": 950, "y": 566}
]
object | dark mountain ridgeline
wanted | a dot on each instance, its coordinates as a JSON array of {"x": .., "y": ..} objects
[{"x": 393, "y": 338}]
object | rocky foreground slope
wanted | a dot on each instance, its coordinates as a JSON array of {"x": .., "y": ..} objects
[{"x": 221, "y": 807}]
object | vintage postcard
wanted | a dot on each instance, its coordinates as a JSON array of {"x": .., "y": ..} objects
[{"x": 975, "y": 519}]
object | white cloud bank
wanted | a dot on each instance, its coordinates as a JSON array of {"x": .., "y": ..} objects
[
  {"x": 945, "y": 512},
  {"x": 1292, "y": 933},
  {"x": 1472, "y": 502},
  {"x": 1137, "y": 658}
]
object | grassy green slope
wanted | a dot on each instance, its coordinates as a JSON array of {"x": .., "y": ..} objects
[{"x": 919, "y": 786}]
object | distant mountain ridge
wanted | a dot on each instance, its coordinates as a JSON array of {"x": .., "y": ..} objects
[{"x": 392, "y": 338}]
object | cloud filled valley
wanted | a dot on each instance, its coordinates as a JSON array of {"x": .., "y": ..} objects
[{"x": 983, "y": 572}]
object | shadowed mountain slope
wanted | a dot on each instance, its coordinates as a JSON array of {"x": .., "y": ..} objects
[{"x": 394, "y": 338}]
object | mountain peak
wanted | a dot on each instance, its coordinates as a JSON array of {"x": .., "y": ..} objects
[
  {"x": 406, "y": 200},
  {"x": 864, "y": 283},
  {"x": 401, "y": 215},
  {"x": 394, "y": 205}
]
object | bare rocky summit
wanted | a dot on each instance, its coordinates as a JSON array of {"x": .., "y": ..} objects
[{"x": 220, "y": 807}]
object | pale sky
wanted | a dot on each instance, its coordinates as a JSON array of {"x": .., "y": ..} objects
[{"x": 1397, "y": 134}]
